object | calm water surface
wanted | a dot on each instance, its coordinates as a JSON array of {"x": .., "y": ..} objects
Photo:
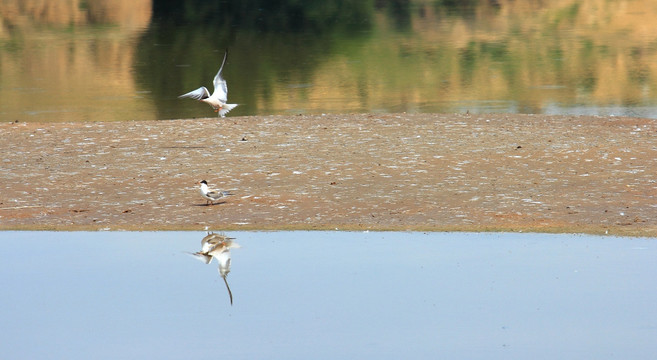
[
  {"x": 130, "y": 59},
  {"x": 327, "y": 295}
]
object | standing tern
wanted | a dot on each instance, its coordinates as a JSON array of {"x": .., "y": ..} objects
[
  {"x": 211, "y": 195},
  {"x": 219, "y": 97}
]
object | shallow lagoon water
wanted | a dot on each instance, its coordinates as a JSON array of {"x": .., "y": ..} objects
[
  {"x": 321, "y": 295},
  {"x": 124, "y": 60}
]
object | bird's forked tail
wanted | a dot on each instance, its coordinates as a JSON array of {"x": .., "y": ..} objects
[{"x": 226, "y": 108}]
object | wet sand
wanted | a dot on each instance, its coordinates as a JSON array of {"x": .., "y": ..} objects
[{"x": 426, "y": 172}]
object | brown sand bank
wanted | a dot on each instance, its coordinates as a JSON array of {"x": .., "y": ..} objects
[{"x": 363, "y": 171}]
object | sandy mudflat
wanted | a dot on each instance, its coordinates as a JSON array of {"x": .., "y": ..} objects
[{"x": 353, "y": 172}]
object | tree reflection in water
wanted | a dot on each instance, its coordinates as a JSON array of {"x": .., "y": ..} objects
[
  {"x": 128, "y": 60},
  {"x": 410, "y": 55}
]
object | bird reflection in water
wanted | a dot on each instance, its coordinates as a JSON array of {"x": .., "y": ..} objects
[{"x": 217, "y": 246}]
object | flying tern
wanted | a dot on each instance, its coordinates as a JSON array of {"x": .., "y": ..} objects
[{"x": 219, "y": 98}]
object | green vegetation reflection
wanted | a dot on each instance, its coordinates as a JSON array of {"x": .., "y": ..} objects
[
  {"x": 404, "y": 55},
  {"x": 130, "y": 59}
]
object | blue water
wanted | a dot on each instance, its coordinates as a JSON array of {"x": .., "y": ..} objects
[{"x": 328, "y": 295}]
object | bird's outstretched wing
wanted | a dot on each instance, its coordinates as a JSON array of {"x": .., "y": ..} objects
[
  {"x": 220, "y": 86},
  {"x": 198, "y": 94},
  {"x": 201, "y": 257}
]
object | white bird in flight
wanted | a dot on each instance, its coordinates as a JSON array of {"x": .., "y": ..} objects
[
  {"x": 219, "y": 97},
  {"x": 211, "y": 195}
]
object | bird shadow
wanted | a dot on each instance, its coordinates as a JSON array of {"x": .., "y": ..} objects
[{"x": 219, "y": 203}]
